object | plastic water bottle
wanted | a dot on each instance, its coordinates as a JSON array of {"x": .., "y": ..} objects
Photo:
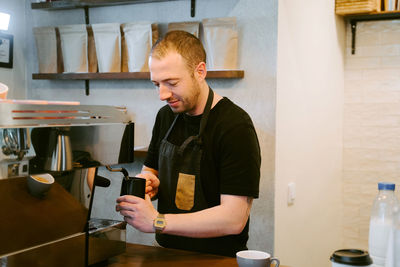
[
  {"x": 396, "y": 245},
  {"x": 393, "y": 249},
  {"x": 381, "y": 223}
]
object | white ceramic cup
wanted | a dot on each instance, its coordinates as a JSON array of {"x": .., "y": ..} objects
[
  {"x": 39, "y": 184},
  {"x": 255, "y": 258},
  {"x": 3, "y": 91}
]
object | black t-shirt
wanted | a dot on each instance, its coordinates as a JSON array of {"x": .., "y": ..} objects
[{"x": 231, "y": 159}]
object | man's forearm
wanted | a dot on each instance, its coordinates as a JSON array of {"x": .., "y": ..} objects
[{"x": 226, "y": 219}]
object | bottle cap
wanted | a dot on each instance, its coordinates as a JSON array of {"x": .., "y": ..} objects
[
  {"x": 353, "y": 257},
  {"x": 386, "y": 186}
]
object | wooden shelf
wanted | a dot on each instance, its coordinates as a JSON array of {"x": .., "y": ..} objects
[
  {"x": 64, "y": 4},
  {"x": 216, "y": 74},
  {"x": 383, "y": 15}
]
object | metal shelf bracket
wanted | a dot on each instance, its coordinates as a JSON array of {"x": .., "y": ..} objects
[
  {"x": 87, "y": 21},
  {"x": 87, "y": 87},
  {"x": 353, "y": 24},
  {"x": 193, "y": 8}
]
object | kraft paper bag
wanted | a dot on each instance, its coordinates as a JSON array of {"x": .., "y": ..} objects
[
  {"x": 188, "y": 26},
  {"x": 221, "y": 43},
  {"x": 46, "y": 46}
]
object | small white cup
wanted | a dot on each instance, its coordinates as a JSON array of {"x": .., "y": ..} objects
[
  {"x": 40, "y": 184},
  {"x": 255, "y": 258}
]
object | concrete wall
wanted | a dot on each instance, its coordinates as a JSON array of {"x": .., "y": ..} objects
[
  {"x": 15, "y": 78},
  {"x": 257, "y": 25},
  {"x": 309, "y": 132},
  {"x": 371, "y": 152}
]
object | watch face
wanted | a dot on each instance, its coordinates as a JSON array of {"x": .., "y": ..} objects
[{"x": 160, "y": 223}]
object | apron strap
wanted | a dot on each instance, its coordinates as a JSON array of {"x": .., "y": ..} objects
[
  {"x": 187, "y": 141},
  {"x": 203, "y": 123},
  {"x": 206, "y": 112},
  {"x": 170, "y": 128}
]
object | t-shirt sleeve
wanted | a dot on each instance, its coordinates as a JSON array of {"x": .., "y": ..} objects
[
  {"x": 152, "y": 153},
  {"x": 240, "y": 161}
]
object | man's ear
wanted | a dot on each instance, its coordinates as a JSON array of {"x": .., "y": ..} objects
[{"x": 201, "y": 71}]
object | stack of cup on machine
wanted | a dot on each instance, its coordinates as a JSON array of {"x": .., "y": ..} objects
[{"x": 3, "y": 91}]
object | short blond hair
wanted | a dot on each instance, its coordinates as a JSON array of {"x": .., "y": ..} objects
[{"x": 184, "y": 43}]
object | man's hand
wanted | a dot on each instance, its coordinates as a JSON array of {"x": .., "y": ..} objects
[
  {"x": 152, "y": 181},
  {"x": 137, "y": 212}
]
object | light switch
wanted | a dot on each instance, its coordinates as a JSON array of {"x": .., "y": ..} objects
[{"x": 291, "y": 193}]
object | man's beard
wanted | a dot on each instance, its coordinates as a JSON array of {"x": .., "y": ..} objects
[{"x": 190, "y": 102}]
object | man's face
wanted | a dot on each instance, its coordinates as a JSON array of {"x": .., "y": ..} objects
[{"x": 176, "y": 84}]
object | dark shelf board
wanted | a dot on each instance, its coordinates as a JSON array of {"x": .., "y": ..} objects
[
  {"x": 384, "y": 15},
  {"x": 64, "y": 4},
  {"x": 217, "y": 74}
]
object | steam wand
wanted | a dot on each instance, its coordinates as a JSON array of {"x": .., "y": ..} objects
[{"x": 124, "y": 171}]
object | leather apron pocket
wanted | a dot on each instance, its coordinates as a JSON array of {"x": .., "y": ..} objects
[{"x": 184, "y": 198}]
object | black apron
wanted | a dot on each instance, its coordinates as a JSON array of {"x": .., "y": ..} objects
[{"x": 180, "y": 189}]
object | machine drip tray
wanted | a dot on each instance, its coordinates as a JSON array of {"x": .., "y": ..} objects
[{"x": 107, "y": 238}]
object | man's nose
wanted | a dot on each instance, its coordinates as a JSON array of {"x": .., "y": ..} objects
[{"x": 164, "y": 92}]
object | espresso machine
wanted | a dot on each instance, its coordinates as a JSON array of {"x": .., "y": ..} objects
[{"x": 70, "y": 142}]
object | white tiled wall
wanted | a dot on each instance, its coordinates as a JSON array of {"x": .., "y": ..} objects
[{"x": 371, "y": 123}]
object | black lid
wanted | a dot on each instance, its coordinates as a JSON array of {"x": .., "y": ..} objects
[{"x": 351, "y": 257}]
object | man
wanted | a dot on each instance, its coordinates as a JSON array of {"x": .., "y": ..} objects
[{"x": 203, "y": 162}]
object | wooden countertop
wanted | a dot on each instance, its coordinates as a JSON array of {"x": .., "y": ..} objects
[{"x": 149, "y": 256}]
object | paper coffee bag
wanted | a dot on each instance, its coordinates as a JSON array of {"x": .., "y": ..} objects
[
  {"x": 74, "y": 46},
  {"x": 46, "y": 46},
  {"x": 221, "y": 42},
  {"x": 137, "y": 43},
  {"x": 188, "y": 26},
  {"x": 107, "y": 38}
]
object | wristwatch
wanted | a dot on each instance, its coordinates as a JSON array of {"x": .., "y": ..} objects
[{"x": 159, "y": 223}]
